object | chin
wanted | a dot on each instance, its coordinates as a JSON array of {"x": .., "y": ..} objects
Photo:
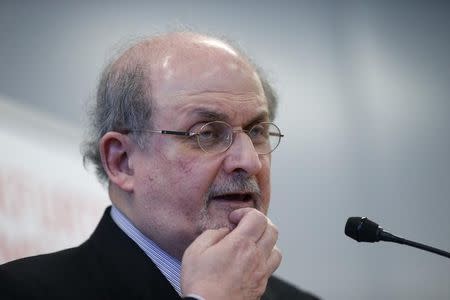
[
  {"x": 217, "y": 223},
  {"x": 214, "y": 218},
  {"x": 220, "y": 224}
]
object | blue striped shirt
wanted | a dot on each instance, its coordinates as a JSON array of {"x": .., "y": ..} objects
[{"x": 168, "y": 265}]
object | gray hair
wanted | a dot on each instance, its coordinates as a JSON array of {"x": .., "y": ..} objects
[{"x": 124, "y": 101}]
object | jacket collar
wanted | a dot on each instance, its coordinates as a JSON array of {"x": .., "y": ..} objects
[{"x": 127, "y": 270}]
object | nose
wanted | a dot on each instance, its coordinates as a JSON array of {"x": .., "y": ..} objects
[{"x": 242, "y": 156}]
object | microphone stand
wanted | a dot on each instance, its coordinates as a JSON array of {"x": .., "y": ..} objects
[{"x": 388, "y": 237}]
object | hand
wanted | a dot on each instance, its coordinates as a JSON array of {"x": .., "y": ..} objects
[{"x": 236, "y": 265}]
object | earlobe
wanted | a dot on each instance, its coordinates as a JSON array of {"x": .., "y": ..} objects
[{"x": 115, "y": 155}]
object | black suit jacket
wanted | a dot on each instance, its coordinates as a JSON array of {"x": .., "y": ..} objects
[{"x": 109, "y": 265}]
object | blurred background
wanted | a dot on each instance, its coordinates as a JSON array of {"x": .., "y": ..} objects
[{"x": 364, "y": 91}]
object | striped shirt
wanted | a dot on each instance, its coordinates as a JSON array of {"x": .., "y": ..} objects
[{"x": 168, "y": 265}]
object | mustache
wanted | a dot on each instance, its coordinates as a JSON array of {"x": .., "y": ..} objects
[{"x": 236, "y": 184}]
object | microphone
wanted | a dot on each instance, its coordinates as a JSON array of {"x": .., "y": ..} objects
[{"x": 365, "y": 230}]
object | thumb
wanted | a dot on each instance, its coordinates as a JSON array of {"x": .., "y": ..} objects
[{"x": 236, "y": 215}]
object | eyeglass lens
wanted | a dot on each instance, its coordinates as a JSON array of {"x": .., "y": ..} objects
[{"x": 217, "y": 137}]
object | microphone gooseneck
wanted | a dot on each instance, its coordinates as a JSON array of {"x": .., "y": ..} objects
[{"x": 365, "y": 230}]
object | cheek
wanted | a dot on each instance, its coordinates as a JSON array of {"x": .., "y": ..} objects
[
  {"x": 187, "y": 177},
  {"x": 264, "y": 181}
]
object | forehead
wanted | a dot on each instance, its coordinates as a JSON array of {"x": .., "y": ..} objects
[
  {"x": 207, "y": 76},
  {"x": 236, "y": 110}
]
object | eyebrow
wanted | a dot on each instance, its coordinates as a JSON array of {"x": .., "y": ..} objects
[
  {"x": 262, "y": 117},
  {"x": 210, "y": 115}
]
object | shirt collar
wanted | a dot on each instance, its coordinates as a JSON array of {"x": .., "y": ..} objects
[{"x": 169, "y": 266}]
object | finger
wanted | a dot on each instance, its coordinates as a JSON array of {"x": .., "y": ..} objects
[
  {"x": 237, "y": 214},
  {"x": 274, "y": 260},
  {"x": 207, "y": 239},
  {"x": 251, "y": 223},
  {"x": 268, "y": 240}
]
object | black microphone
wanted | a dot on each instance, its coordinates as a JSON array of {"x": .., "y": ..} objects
[{"x": 365, "y": 230}]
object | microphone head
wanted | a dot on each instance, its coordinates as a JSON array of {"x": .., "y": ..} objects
[{"x": 362, "y": 229}]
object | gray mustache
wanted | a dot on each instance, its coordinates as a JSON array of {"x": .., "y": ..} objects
[{"x": 235, "y": 184}]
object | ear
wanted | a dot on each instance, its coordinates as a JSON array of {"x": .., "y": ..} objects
[{"x": 115, "y": 149}]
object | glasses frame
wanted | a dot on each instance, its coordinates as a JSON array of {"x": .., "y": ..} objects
[{"x": 196, "y": 134}]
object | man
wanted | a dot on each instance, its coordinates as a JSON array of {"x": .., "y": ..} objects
[{"x": 182, "y": 136}]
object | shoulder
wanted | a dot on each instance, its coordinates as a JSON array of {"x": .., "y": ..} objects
[
  {"x": 32, "y": 276},
  {"x": 278, "y": 288},
  {"x": 51, "y": 263}
]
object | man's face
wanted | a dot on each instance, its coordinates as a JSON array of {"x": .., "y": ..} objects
[{"x": 179, "y": 190}]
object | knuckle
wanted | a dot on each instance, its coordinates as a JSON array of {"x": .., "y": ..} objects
[
  {"x": 275, "y": 231},
  {"x": 279, "y": 255},
  {"x": 278, "y": 252},
  {"x": 275, "y": 260}
]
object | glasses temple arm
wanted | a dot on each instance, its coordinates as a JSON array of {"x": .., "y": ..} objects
[{"x": 183, "y": 133}]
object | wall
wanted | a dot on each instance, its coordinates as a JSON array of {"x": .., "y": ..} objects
[{"x": 48, "y": 201}]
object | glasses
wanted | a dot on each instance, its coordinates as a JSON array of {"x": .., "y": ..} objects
[{"x": 217, "y": 136}]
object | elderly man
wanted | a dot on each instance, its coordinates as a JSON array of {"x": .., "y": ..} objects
[{"x": 182, "y": 137}]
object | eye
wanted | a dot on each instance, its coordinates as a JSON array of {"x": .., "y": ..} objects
[
  {"x": 214, "y": 134},
  {"x": 206, "y": 134},
  {"x": 259, "y": 133},
  {"x": 210, "y": 131}
]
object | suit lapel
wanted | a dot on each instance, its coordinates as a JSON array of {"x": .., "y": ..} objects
[{"x": 127, "y": 272}]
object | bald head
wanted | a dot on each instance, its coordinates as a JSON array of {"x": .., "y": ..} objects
[
  {"x": 162, "y": 68},
  {"x": 175, "y": 60}
]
